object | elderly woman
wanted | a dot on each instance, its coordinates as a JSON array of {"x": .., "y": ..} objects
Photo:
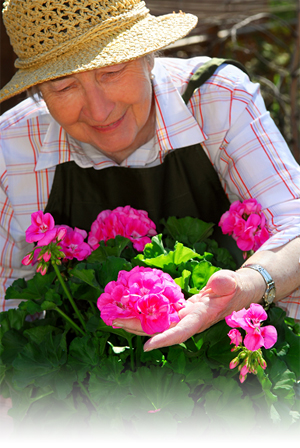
[{"x": 112, "y": 125}]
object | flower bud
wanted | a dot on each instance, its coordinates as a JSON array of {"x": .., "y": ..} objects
[
  {"x": 39, "y": 267},
  {"x": 44, "y": 270},
  {"x": 234, "y": 363},
  {"x": 242, "y": 378},
  {"x": 46, "y": 256},
  {"x": 244, "y": 370},
  {"x": 61, "y": 233},
  {"x": 262, "y": 362},
  {"x": 28, "y": 259}
]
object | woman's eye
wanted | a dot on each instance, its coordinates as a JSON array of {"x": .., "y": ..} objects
[{"x": 64, "y": 89}]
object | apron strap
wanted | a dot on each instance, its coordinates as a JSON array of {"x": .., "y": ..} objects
[{"x": 203, "y": 73}]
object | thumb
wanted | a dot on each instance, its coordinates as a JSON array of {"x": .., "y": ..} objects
[{"x": 223, "y": 282}]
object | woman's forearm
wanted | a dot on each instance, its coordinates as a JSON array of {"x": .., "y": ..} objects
[{"x": 282, "y": 264}]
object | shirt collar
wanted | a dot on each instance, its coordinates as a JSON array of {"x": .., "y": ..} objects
[{"x": 173, "y": 130}]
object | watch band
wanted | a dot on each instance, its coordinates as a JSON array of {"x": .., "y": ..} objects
[{"x": 270, "y": 292}]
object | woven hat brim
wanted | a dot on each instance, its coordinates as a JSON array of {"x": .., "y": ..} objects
[{"x": 148, "y": 35}]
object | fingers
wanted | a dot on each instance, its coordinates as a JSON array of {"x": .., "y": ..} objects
[
  {"x": 186, "y": 328},
  {"x": 130, "y": 325}
]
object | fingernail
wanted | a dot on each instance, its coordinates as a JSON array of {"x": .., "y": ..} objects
[{"x": 118, "y": 324}]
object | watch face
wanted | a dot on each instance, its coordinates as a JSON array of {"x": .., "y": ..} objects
[{"x": 270, "y": 296}]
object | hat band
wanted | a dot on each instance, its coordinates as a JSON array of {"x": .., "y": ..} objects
[{"x": 107, "y": 28}]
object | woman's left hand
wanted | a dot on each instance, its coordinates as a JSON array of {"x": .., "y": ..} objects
[{"x": 225, "y": 292}]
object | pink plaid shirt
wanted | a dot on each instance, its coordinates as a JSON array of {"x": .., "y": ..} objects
[{"x": 226, "y": 115}]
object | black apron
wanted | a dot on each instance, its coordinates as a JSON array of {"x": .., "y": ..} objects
[{"x": 185, "y": 184}]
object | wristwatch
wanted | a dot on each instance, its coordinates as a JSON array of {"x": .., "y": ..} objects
[{"x": 270, "y": 292}]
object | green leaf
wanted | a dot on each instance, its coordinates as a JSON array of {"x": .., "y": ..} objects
[
  {"x": 156, "y": 388},
  {"x": 48, "y": 305},
  {"x": 225, "y": 406},
  {"x": 33, "y": 289},
  {"x": 13, "y": 342},
  {"x": 266, "y": 386},
  {"x": 63, "y": 382},
  {"x": 12, "y": 319},
  {"x": 282, "y": 378},
  {"x": 219, "y": 349},
  {"x": 30, "y": 307},
  {"x": 84, "y": 292},
  {"x": 184, "y": 280},
  {"x": 187, "y": 230},
  {"x": 84, "y": 355},
  {"x": 293, "y": 355},
  {"x": 113, "y": 247},
  {"x": 155, "y": 248},
  {"x": 93, "y": 324},
  {"x": 201, "y": 273},
  {"x": 52, "y": 296},
  {"x": 39, "y": 363},
  {"x": 22, "y": 400},
  {"x": 196, "y": 371},
  {"x": 38, "y": 334},
  {"x": 110, "y": 269},
  {"x": 85, "y": 275},
  {"x": 172, "y": 262},
  {"x": 108, "y": 385}
]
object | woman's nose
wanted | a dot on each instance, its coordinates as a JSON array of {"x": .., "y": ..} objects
[{"x": 97, "y": 103}]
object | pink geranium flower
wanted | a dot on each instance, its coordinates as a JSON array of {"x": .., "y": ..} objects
[
  {"x": 125, "y": 221},
  {"x": 73, "y": 244},
  {"x": 42, "y": 229},
  {"x": 235, "y": 337},
  {"x": 250, "y": 320},
  {"x": 250, "y": 355},
  {"x": 149, "y": 295},
  {"x": 245, "y": 222},
  {"x": 258, "y": 336},
  {"x": 236, "y": 318}
]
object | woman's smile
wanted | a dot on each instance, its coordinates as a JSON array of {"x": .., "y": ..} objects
[
  {"x": 110, "y": 108},
  {"x": 110, "y": 127}
]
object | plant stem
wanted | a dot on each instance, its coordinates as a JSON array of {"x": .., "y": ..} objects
[
  {"x": 75, "y": 327},
  {"x": 93, "y": 307},
  {"x": 131, "y": 355},
  {"x": 64, "y": 286},
  {"x": 138, "y": 350}
]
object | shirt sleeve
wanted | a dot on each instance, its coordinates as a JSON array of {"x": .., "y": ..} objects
[
  {"x": 13, "y": 246},
  {"x": 250, "y": 155}
]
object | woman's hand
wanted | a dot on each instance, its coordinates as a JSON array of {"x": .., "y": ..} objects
[{"x": 226, "y": 291}]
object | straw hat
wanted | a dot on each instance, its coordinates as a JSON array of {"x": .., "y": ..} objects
[{"x": 54, "y": 38}]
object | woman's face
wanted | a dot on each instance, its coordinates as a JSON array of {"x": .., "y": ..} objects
[{"x": 110, "y": 108}]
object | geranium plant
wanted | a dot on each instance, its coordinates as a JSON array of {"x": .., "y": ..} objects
[
  {"x": 71, "y": 370},
  {"x": 250, "y": 355},
  {"x": 246, "y": 223}
]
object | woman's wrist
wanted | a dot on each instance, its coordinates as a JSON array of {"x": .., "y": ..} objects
[{"x": 253, "y": 284}]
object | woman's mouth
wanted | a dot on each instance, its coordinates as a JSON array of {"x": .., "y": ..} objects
[{"x": 110, "y": 126}]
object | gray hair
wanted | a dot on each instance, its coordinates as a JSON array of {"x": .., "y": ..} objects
[{"x": 34, "y": 93}]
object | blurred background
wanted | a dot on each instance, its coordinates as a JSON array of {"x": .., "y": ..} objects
[{"x": 262, "y": 34}]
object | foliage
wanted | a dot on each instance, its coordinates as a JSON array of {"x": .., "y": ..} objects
[{"x": 98, "y": 379}]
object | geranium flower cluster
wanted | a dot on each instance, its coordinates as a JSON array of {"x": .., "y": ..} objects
[
  {"x": 61, "y": 242},
  {"x": 53, "y": 242},
  {"x": 125, "y": 221},
  {"x": 150, "y": 295},
  {"x": 256, "y": 337},
  {"x": 246, "y": 224}
]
